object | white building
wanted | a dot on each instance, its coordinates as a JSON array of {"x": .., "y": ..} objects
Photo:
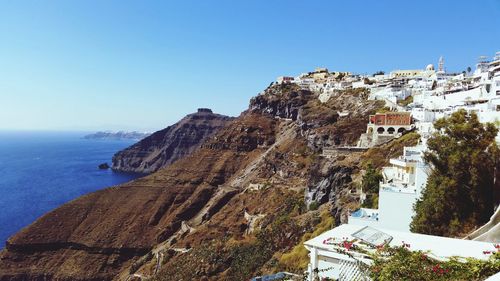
[
  {"x": 401, "y": 186},
  {"x": 422, "y": 115},
  {"x": 305, "y": 83},
  {"x": 331, "y": 263},
  {"x": 391, "y": 92}
]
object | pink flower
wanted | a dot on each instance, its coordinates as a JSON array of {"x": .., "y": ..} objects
[
  {"x": 437, "y": 269},
  {"x": 347, "y": 245}
]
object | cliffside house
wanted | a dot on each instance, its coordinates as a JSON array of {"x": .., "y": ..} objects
[
  {"x": 400, "y": 187},
  {"x": 330, "y": 259},
  {"x": 285, "y": 79},
  {"x": 389, "y": 123}
]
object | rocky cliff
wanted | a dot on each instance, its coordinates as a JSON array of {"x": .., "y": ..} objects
[
  {"x": 166, "y": 146},
  {"x": 226, "y": 211}
]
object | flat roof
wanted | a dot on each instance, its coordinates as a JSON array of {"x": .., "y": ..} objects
[
  {"x": 439, "y": 247},
  {"x": 365, "y": 213}
]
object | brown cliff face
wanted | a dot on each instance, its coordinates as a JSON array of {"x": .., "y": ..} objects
[
  {"x": 252, "y": 173},
  {"x": 170, "y": 144},
  {"x": 98, "y": 235}
]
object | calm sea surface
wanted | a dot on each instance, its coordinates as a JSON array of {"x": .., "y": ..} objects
[{"x": 40, "y": 171}]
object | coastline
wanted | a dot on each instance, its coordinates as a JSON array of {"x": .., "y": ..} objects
[{"x": 41, "y": 171}]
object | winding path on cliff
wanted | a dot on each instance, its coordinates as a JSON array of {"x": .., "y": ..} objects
[
  {"x": 240, "y": 180},
  {"x": 236, "y": 184},
  {"x": 243, "y": 177}
]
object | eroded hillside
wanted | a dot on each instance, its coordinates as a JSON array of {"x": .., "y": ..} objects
[{"x": 228, "y": 210}]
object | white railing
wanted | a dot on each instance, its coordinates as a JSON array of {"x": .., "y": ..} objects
[{"x": 350, "y": 270}]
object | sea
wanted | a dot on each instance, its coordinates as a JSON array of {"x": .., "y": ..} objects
[{"x": 40, "y": 171}]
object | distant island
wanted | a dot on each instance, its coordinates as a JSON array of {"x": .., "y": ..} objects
[{"x": 120, "y": 135}]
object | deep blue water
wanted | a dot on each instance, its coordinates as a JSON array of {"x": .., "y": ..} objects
[{"x": 40, "y": 171}]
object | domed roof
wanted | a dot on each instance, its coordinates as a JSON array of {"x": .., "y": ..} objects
[{"x": 430, "y": 67}]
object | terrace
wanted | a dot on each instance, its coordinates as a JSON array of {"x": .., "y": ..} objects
[
  {"x": 399, "y": 186},
  {"x": 334, "y": 252},
  {"x": 365, "y": 214}
]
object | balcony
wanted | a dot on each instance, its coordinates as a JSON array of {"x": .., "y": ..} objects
[
  {"x": 398, "y": 186},
  {"x": 389, "y": 173},
  {"x": 404, "y": 161}
]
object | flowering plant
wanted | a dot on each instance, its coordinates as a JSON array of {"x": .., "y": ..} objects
[{"x": 401, "y": 263}]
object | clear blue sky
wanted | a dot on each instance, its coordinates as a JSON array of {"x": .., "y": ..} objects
[{"x": 94, "y": 64}]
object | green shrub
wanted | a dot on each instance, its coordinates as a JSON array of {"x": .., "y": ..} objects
[
  {"x": 379, "y": 157},
  {"x": 297, "y": 259},
  {"x": 371, "y": 201},
  {"x": 406, "y": 101},
  {"x": 313, "y": 206},
  {"x": 461, "y": 191},
  {"x": 371, "y": 180},
  {"x": 399, "y": 263}
]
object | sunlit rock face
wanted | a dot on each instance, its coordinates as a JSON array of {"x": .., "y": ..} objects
[{"x": 170, "y": 144}]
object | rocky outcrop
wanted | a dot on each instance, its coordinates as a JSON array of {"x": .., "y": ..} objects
[
  {"x": 170, "y": 144},
  {"x": 323, "y": 185},
  {"x": 321, "y": 122},
  {"x": 283, "y": 101},
  {"x": 103, "y": 166}
]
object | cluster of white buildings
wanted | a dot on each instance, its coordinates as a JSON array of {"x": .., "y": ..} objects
[
  {"x": 435, "y": 94},
  {"x": 322, "y": 81},
  {"x": 403, "y": 182}
]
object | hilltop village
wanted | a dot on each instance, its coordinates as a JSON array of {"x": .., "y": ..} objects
[{"x": 414, "y": 99}]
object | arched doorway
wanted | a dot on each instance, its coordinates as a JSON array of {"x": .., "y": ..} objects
[
  {"x": 391, "y": 130},
  {"x": 380, "y": 130}
]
